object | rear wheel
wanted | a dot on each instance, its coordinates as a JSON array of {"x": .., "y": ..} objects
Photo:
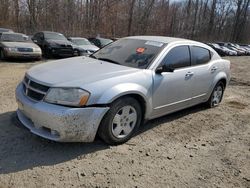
[
  {"x": 121, "y": 121},
  {"x": 217, "y": 95}
]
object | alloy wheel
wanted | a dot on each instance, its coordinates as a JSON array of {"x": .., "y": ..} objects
[
  {"x": 217, "y": 95},
  {"x": 124, "y": 121}
]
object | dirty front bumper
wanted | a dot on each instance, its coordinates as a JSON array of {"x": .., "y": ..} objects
[
  {"x": 58, "y": 123},
  {"x": 23, "y": 54}
]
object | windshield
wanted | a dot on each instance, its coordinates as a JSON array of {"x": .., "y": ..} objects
[
  {"x": 54, "y": 36},
  {"x": 105, "y": 42},
  {"x": 130, "y": 52},
  {"x": 216, "y": 45},
  {"x": 81, "y": 41},
  {"x": 5, "y": 30},
  {"x": 14, "y": 37}
]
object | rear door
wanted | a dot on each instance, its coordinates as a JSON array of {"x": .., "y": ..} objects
[{"x": 204, "y": 72}]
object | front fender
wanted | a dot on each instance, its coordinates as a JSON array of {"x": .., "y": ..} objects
[{"x": 125, "y": 89}]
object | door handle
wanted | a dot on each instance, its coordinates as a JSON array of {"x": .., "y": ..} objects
[
  {"x": 213, "y": 69},
  {"x": 189, "y": 74}
]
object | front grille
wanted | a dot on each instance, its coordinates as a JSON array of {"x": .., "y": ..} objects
[
  {"x": 34, "y": 90},
  {"x": 63, "y": 51},
  {"x": 66, "y": 46},
  {"x": 25, "y": 49}
]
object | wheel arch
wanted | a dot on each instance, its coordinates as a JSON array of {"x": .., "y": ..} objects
[
  {"x": 139, "y": 92},
  {"x": 221, "y": 77},
  {"x": 141, "y": 100},
  {"x": 224, "y": 81}
]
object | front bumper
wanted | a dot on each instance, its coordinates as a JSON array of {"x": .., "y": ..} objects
[
  {"x": 23, "y": 54},
  {"x": 58, "y": 123},
  {"x": 62, "y": 52}
]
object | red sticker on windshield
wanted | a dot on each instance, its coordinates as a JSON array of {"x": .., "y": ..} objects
[{"x": 140, "y": 50}]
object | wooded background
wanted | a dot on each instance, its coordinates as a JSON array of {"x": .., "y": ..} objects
[{"x": 204, "y": 20}]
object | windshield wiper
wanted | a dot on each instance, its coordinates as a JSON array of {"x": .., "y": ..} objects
[
  {"x": 93, "y": 56},
  {"x": 109, "y": 60}
]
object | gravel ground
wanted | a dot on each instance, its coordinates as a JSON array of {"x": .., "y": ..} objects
[{"x": 197, "y": 147}]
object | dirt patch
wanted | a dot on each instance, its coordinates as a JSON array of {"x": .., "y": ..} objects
[
  {"x": 197, "y": 147},
  {"x": 236, "y": 82},
  {"x": 237, "y": 105}
]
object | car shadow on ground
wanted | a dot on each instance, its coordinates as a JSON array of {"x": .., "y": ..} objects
[
  {"x": 171, "y": 117},
  {"x": 21, "y": 150}
]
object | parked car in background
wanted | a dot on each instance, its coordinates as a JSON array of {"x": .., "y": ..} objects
[
  {"x": 238, "y": 47},
  {"x": 100, "y": 42},
  {"x": 3, "y": 30},
  {"x": 229, "y": 51},
  {"x": 239, "y": 51},
  {"x": 54, "y": 44},
  {"x": 18, "y": 45},
  {"x": 114, "y": 90},
  {"x": 218, "y": 49},
  {"x": 232, "y": 47},
  {"x": 84, "y": 44},
  {"x": 247, "y": 48}
]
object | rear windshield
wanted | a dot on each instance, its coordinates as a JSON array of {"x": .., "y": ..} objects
[
  {"x": 10, "y": 37},
  {"x": 130, "y": 52}
]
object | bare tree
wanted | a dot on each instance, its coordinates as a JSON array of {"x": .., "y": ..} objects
[{"x": 204, "y": 20}]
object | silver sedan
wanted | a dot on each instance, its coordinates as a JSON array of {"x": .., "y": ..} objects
[
  {"x": 18, "y": 45},
  {"x": 114, "y": 90}
]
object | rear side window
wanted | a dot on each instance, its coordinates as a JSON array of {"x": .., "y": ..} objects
[
  {"x": 178, "y": 57},
  {"x": 200, "y": 55}
]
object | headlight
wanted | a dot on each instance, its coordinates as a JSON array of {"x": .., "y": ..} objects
[
  {"x": 67, "y": 96},
  {"x": 11, "y": 49},
  {"x": 52, "y": 45},
  {"x": 37, "y": 49}
]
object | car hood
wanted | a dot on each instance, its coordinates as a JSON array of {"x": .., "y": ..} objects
[
  {"x": 76, "y": 71},
  {"x": 59, "y": 42},
  {"x": 89, "y": 47},
  {"x": 20, "y": 44}
]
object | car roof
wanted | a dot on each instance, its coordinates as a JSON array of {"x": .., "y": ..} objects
[
  {"x": 13, "y": 33},
  {"x": 77, "y": 38},
  {"x": 49, "y": 32},
  {"x": 5, "y": 30},
  {"x": 159, "y": 39}
]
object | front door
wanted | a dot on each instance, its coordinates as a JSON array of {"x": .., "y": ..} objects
[{"x": 173, "y": 91}]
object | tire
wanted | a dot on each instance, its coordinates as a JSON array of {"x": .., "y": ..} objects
[
  {"x": 2, "y": 55},
  {"x": 121, "y": 121},
  {"x": 217, "y": 95},
  {"x": 38, "y": 58},
  {"x": 47, "y": 52}
]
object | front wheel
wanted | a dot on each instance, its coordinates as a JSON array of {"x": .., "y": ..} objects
[
  {"x": 47, "y": 52},
  {"x": 121, "y": 121},
  {"x": 216, "y": 96},
  {"x": 2, "y": 55}
]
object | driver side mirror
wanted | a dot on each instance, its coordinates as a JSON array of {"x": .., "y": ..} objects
[{"x": 164, "y": 68}]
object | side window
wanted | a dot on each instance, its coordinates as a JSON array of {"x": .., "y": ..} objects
[
  {"x": 200, "y": 55},
  {"x": 36, "y": 36},
  {"x": 178, "y": 57},
  {"x": 41, "y": 36}
]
